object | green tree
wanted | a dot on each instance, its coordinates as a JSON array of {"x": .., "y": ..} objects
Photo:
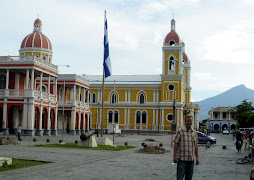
[{"x": 244, "y": 114}]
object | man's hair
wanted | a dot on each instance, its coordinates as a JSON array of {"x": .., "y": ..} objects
[{"x": 188, "y": 115}]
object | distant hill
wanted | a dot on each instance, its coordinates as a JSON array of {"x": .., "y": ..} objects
[{"x": 231, "y": 97}]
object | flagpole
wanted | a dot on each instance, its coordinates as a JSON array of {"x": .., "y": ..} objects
[
  {"x": 102, "y": 105},
  {"x": 106, "y": 67}
]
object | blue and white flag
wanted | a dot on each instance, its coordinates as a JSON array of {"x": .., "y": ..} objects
[{"x": 106, "y": 63}]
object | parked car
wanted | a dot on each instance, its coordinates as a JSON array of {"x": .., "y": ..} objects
[
  {"x": 202, "y": 139},
  {"x": 225, "y": 131}
]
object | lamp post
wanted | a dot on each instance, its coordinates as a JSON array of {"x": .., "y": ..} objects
[
  {"x": 97, "y": 119},
  {"x": 63, "y": 103}
]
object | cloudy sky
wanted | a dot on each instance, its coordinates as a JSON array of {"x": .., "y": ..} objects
[{"x": 218, "y": 36}]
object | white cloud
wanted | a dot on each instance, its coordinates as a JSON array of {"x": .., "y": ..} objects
[
  {"x": 231, "y": 45},
  {"x": 203, "y": 76}
]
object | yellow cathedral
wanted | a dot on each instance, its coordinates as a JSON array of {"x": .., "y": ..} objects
[{"x": 147, "y": 103}]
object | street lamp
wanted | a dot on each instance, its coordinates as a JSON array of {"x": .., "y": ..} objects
[
  {"x": 63, "y": 103},
  {"x": 97, "y": 119}
]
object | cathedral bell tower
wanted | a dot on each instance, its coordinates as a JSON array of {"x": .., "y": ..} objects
[{"x": 172, "y": 67}]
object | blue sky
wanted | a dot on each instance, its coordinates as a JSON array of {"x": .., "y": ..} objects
[{"x": 218, "y": 36}]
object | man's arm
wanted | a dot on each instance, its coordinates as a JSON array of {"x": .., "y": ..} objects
[
  {"x": 196, "y": 154},
  {"x": 175, "y": 153}
]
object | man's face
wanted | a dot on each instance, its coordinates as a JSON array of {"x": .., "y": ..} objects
[{"x": 188, "y": 122}]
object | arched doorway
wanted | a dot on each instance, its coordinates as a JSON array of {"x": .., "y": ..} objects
[
  {"x": 233, "y": 126},
  {"x": 224, "y": 126},
  {"x": 14, "y": 118},
  {"x": 216, "y": 127},
  {"x": 82, "y": 122},
  {"x": 44, "y": 124},
  {"x": 10, "y": 120},
  {"x": 52, "y": 119},
  {"x": 86, "y": 119},
  {"x": 36, "y": 118},
  {"x": 77, "y": 121}
]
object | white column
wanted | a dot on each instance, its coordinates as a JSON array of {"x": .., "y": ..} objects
[
  {"x": 27, "y": 78},
  {"x": 17, "y": 76},
  {"x": 74, "y": 92},
  {"x": 41, "y": 82},
  {"x": 73, "y": 119},
  {"x": 153, "y": 126},
  {"x": 126, "y": 95},
  {"x": 4, "y": 115},
  {"x": 157, "y": 119},
  {"x": 56, "y": 119},
  {"x": 128, "y": 119},
  {"x": 125, "y": 114},
  {"x": 79, "y": 93},
  {"x": 180, "y": 61},
  {"x": 41, "y": 111},
  {"x": 84, "y": 93},
  {"x": 32, "y": 79},
  {"x": 7, "y": 79},
  {"x": 48, "y": 119},
  {"x": 49, "y": 84},
  {"x": 55, "y": 89},
  {"x": 163, "y": 62},
  {"x": 162, "y": 120}
]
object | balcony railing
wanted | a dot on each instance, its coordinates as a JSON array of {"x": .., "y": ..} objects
[{"x": 24, "y": 93}]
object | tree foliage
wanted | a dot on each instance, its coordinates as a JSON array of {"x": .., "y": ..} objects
[{"x": 244, "y": 114}]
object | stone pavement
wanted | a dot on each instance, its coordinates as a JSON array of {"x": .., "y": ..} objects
[{"x": 215, "y": 162}]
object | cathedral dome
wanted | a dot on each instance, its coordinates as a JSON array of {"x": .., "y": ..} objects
[
  {"x": 172, "y": 37},
  {"x": 36, "y": 40}
]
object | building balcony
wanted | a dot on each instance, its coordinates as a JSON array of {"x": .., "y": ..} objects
[
  {"x": 27, "y": 93},
  {"x": 69, "y": 103}
]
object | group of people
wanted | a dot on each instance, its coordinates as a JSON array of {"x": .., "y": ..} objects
[{"x": 245, "y": 139}]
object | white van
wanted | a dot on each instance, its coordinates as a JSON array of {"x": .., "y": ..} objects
[{"x": 243, "y": 130}]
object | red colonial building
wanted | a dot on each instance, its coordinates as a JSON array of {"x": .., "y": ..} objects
[{"x": 33, "y": 94}]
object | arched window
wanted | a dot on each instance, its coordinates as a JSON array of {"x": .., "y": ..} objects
[
  {"x": 116, "y": 116},
  {"x": 89, "y": 98},
  {"x": 138, "y": 114},
  {"x": 141, "y": 99},
  {"x": 44, "y": 89},
  {"x": 94, "y": 98},
  {"x": 171, "y": 43},
  {"x": 113, "y": 98},
  {"x": 61, "y": 95},
  {"x": 80, "y": 96},
  {"x": 171, "y": 63},
  {"x": 143, "y": 117},
  {"x": 110, "y": 116},
  {"x": 86, "y": 95},
  {"x": 2, "y": 81}
]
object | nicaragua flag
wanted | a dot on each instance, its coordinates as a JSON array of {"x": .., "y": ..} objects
[{"x": 106, "y": 62}]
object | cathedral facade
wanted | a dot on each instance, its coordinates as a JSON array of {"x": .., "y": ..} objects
[{"x": 147, "y": 103}]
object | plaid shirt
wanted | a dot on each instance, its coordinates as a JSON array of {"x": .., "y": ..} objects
[{"x": 187, "y": 141}]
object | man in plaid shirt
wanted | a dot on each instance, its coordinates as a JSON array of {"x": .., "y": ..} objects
[{"x": 185, "y": 148}]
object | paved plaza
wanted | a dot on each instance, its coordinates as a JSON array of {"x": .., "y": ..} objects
[{"x": 215, "y": 162}]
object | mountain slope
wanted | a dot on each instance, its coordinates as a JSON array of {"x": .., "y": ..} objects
[{"x": 231, "y": 97}]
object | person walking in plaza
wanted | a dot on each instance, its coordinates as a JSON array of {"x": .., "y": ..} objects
[
  {"x": 245, "y": 140},
  {"x": 185, "y": 149},
  {"x": 19, "y": 129}
]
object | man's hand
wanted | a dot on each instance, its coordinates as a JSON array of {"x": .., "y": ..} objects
[
  {"x": 197, "y": 161},
  {"x": 175, "y": 159}
]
